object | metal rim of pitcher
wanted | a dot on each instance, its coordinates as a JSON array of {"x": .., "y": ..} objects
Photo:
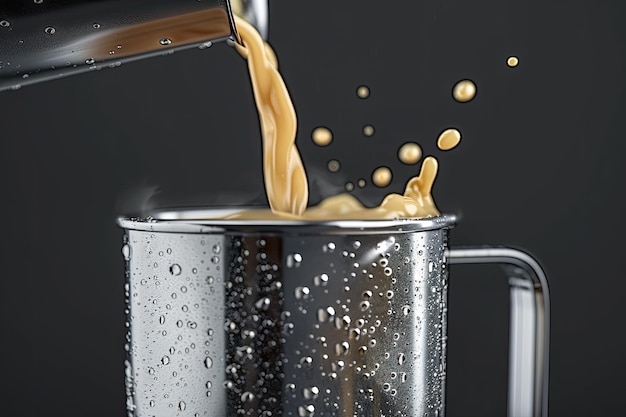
[{"x": 211, "y": 221}]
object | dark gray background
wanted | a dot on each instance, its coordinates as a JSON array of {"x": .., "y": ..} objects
[{"x": 541, "y": 167}]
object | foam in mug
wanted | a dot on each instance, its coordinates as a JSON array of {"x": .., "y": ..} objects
[{"x": 285, "y": 178}]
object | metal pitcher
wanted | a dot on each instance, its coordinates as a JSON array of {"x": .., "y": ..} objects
[
  {"x": 44, "y": 40},
  {"x": 303, "y": 319}
]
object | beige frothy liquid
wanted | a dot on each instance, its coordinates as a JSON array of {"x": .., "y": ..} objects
[{"x": 284, "y": 174}]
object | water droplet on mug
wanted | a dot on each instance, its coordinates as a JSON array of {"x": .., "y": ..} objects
[
  {"x": 354, "y": 333},
  {"x": 294, "y": 260},
  {"x": 165, "y": 360},
  {"x": 342, "y": 348},
  {"x": 302, "y": 292},
  {"x": 322, "y": 315},
  {"x": 50, "y": 30},
  {"x": 263, "y": 304},
  {"x": 165, "y": 41},
  {"x": 321, "y": 280},
  {"x": 175, "y": 269},
  {"x": 342, "y": 322},
  {"x": 5, "y": 23},
  {"x": 247, "y": 396},
  {"x": 306, "y": 410},
  {"x": 208, "y": 362},
  {"x": 126, "y": 252},
  {"x": 329, "y": 247},
  {"x": 90, "y": 61},
  {"x": 311, "y": 393}
]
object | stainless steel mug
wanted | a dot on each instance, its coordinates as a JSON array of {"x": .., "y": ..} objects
[
  {"x": 298, "y": 318},
  {"x": 44, "y": 40}
]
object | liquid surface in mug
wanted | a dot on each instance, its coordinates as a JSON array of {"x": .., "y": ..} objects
[{"x": 285, "y": 177}]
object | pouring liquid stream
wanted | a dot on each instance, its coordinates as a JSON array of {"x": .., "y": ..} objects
[{"x": 285, "y": 177}]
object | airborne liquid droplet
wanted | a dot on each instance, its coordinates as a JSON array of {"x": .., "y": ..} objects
[
  {"x": 363, "y": 91},
  {"x": 368, "y": 130},
  {"x": 448, "y": 139},
  {"x": 165, "y": 41},
  {"x": 322, "y": 136},
  {"x": 464, "y": 91},
  {"x": 381, "y": 177},
  {"x": 334, "y": 165},
  {"x": 410, "y": 153},
  {"x": 50, "y": 30},
  {"x": 512, "y": 61}
]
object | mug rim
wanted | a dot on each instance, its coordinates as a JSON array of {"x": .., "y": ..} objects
[{"x": 206, "y": 221}]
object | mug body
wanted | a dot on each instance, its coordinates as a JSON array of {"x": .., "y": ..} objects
[{"x": 285, "y": 318}]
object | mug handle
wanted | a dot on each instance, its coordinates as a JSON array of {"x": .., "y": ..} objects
[{"x": 529, "y": 325}]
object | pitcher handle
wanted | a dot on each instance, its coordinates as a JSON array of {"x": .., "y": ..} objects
[{"x": 529, "y": 325}]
